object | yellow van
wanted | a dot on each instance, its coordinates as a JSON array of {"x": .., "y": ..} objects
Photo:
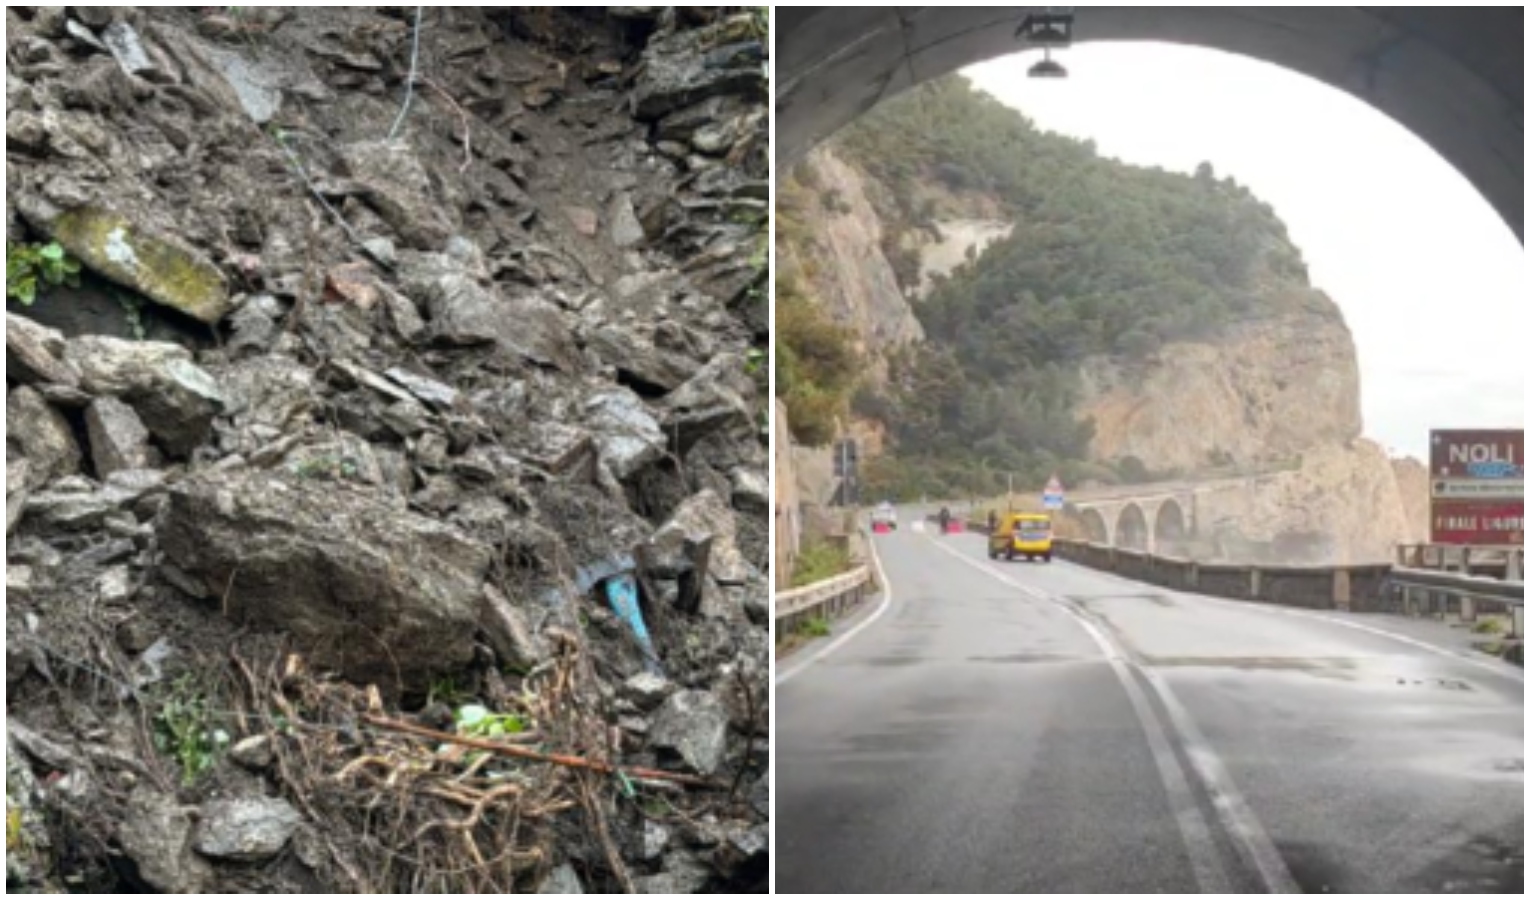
[{"x": 1027, "y": 535}]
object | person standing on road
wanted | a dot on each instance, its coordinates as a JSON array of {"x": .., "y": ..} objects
[{"x": 945, "y": 520}]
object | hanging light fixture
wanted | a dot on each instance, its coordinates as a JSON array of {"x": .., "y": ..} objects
[
  {"x": 1048, "y": 68},
  {"x": 1049, "y": 30}
]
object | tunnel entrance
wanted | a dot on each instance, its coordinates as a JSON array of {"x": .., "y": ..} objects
[{"x": 1452, "y": 76}]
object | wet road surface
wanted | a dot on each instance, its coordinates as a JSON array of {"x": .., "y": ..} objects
[{"x": 1025, "y": 728}]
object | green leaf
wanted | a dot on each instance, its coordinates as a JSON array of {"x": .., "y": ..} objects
[{"x": 52, "y": 252}]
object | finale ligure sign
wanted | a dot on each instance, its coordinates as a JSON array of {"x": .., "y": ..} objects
[{"x": 1477, "y": 488}]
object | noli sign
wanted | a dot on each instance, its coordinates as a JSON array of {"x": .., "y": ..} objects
[{"x": 1477, "y": 487}]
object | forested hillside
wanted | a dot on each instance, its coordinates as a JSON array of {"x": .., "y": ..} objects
[{"x": 1105, "y": 259}]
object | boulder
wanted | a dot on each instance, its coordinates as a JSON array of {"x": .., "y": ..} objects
[
  {"x": 626, "y": 433},
  {"x": 156, "y": 836},
  {"x": 632, "y": 352},
  {"x": 383, "y": 594},
  {"x": 508, "y": 632},
  {"x": 686, "y": 67},
  {"x": 176, "y": 400},
  {"x": 712, "y": 400},
  {"x": 465, "y": 313},
  {"x": 702, "y": 518},
  {"x": 118, "y": 438},
  {"x": 42, "y": 435},
  {"x": 691, "y": 728},
  {"x": 394, "y": 183},
  {"x": 136, "y": 255},
  {"x": 246, "y": 830},
  {"x": 34, "y": 354}
]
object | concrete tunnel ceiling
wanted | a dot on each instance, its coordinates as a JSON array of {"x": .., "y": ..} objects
[{"x": 1454, "y": 76}]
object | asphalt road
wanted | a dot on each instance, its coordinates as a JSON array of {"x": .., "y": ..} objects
[{"x": 1023, "y": 728}]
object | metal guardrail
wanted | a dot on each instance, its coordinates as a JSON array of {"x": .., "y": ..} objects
[
  {"x": 1424, "y": 589},
  {"x": 828, "y": 599}
]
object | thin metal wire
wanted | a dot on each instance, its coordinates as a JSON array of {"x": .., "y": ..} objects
[{"x": 414, "y": 68}]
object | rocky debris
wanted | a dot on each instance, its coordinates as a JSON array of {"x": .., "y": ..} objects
[
  {"x": 118, "y": 439},
  {"x": 627, "y": 434},
  {"x": 317, "y": 561},
  {"x": 41, "y": 435},
  {"x": 175, "y": 399},
  {"x": 17, "y": 473},
  {"x": 34, "y": 354},
  {"x": 402, "y": 407},
  {"x": 156, "y": 836},
  {"x": 254, "y": 753},
  {"x": 704, "y": 518},
  {"x": 246, "y": 830},
  {"x": 394, "y": 183},
  {"x": 693, "y": 727},
  {"x": 689, "y": 67},
  {"x": 562, "y": 880}
]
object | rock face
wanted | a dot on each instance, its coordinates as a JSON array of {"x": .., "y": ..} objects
[
  {"x": 317, "y": 563},
  {"x": 1266, "y": 391},
  {"x": 1295, "y": 516},
  {"x": 853, "y": 278}
]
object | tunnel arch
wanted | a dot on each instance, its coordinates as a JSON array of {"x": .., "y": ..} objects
[
  {"x": 1453, "y": 76},
  {"x": 1096, "y": 529},
  {"x": 1132, "y": 529},
  {"x": 1171, "y": 528}
]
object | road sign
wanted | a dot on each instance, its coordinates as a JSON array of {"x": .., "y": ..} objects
[
  {"x": 1054, "y": 496},
  {"x": 1478, "y": 523},
  {"x": 1477, "y": 487}
]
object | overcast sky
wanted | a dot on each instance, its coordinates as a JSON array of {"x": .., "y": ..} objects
[{"x": 1430, "y": 279}]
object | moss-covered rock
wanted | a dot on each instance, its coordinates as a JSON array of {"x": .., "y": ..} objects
[{"x": 165, "y": 271}]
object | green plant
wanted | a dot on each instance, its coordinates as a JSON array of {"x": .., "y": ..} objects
[
  {"x": 327, "y": 468},
  {"x": 478, "y": 722},
  {"x": 30, "y": 268},
  {"x": 132, "y": 310},
  {"x": 1489, "y": 626},
  {"x": 184, "y": 728},
  {"x": 820, "y": 561},
  {"x": 446, "y": 690},
  {"x": 814, "y": 628}
]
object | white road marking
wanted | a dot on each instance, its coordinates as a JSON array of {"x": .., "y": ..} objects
[
  {"x": 782, "y": 677},
  {"x": 1231, "y": 809},
  {"x": 1502, "y": 670}
]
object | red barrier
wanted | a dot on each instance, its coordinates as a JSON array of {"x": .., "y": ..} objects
[{"x": 881, "y": 528}]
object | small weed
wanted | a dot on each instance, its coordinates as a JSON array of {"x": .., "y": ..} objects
[
  {"x": 1489, "y": 626},
  {"x": 184, "y": 729},
  {"x": 479, "y": 722},
  {"x": 132, "y": 311},
  {"x": 327, "y": 468},
  {"x": 447, "y": 691},
  {"x": 31, "y": 268},
  {"x": 815, "y": 628}
]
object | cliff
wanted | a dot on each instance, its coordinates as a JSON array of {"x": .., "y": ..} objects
[{"x": 1259, "y": 392}]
